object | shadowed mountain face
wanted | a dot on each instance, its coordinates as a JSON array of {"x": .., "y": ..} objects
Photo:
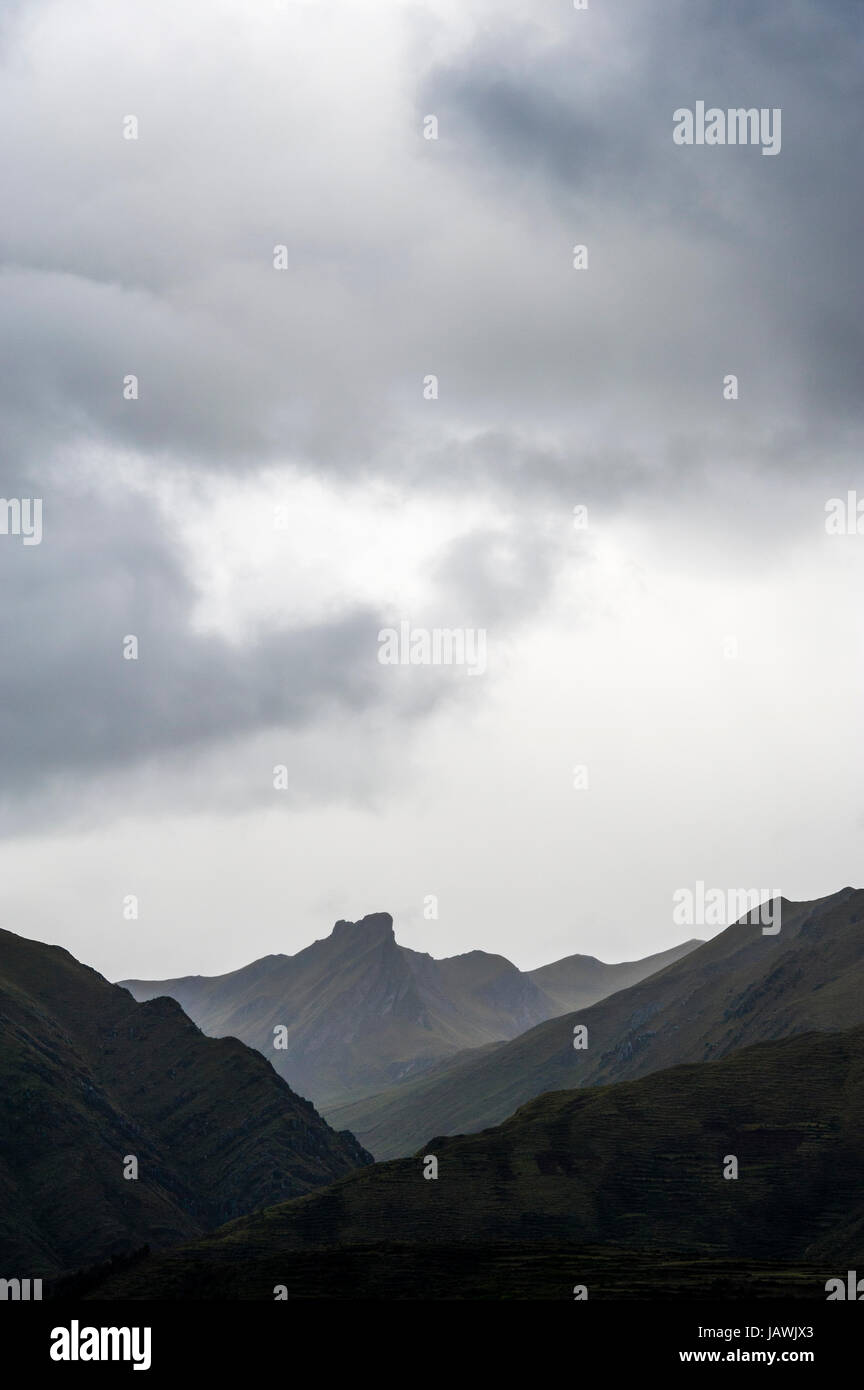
[
  {"x": 621, "y": 1187},
  {"x": 89, "y": 1077},
  {"x": 360, "y": 1012},
  {"x": 739, "y": 988}
]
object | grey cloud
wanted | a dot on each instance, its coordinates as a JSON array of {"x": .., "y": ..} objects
[
  {"x": 452, "y": 259},
  {"x": 70, "y": 703},
  {"x": 776, "y": 276},
  {"x": 497, "y": 577},
  {"x": 556, "y": 388}
]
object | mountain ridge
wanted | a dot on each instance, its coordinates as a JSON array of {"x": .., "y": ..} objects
[
  {"x": 739, "y": 987},
  {"x": 90, "y": 1078},
  {"x": 361, "y": 1012}
]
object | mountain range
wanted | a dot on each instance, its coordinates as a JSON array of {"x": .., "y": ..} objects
[
  {"x": 517, "y": 1167},
  {"x": 355, "y": 1012},
  {"x": 741, "y": 987},
  {"x": 90, "y": 1079}
]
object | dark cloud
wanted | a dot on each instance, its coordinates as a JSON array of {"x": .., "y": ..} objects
[
  {"x": 763, "y": 268},
  {"x": 108, "y": 568},
  {"x": 405, "y": 258}
]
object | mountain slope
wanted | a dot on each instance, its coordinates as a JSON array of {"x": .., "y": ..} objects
[
  {"x": 579, "y": 981},
  {"x": 619, "y": 1186},
  {"x": 739, "y": 988},
  {"x": 361, "y": 1012},
  {"x": 89, "y": 1077}
]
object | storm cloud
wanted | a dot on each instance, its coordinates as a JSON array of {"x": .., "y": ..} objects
[{"x": 301, "y": 126}]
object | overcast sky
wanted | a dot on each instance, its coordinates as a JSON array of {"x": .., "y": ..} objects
[{"x": 281, "y": 490}]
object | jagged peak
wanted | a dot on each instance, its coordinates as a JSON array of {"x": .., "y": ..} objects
[{"x": 378, "y": 925}]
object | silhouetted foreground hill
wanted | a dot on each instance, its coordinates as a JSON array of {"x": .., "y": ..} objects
[
  {"x": 739, "y": 988},
  {"x": 618, "y": 1187},
  {"x": 89, "y": 1077},
  {"x": 361, "y": 1012}
]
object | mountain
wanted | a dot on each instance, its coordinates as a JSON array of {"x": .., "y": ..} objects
[
  {"x": 579, "y": 981},
  {"x": 620, "y": 1188},
  {"x": 739, "y": 988},
  {"x": 359, "y": 1012},
  {"x": 88, "y": 1077}
]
